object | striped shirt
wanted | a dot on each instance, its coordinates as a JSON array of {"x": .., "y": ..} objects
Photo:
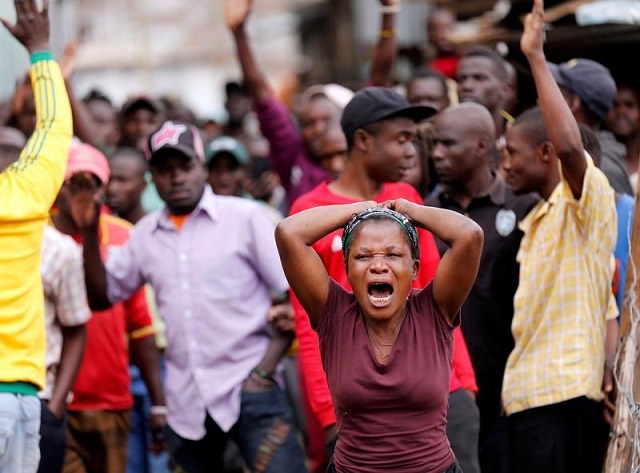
[
  {"x": 564, "y": 298},
  {"x": 27, "y": 191}
]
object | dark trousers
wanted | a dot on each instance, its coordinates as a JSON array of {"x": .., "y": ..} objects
[
  {"x": 567, "y": 437},
  {"x": 53, "y": 432},
  {"x": 265, "y": 434},
  {"x": 463, "y": 429},
  {"x": 493, "y": 446}
]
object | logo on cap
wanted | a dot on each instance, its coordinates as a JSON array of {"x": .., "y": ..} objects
[{"x": 168, "y": 134}]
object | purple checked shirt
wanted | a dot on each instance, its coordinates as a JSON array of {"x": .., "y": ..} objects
[{"x": 212, "y": 282}]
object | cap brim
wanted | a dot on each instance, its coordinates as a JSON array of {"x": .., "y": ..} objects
[
  {"x": 90, "y": 168},
  {"x": 209, "y": 157},
  {"x": 166, "y": 149},
  {"x": 417, "y": 113}
]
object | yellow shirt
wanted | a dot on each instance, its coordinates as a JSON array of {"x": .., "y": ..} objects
[
  {"x": 564, "y": 297},
  {"x": 27, "y": 191}
]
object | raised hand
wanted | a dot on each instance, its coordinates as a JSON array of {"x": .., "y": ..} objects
[
  {"x": 68, "y": 60},
  {"x": 32, "y": 25},
  {"x": 237, "y": 12},
  {"x": 85, "y": 201},
  {"x": 532, "y": 41}
]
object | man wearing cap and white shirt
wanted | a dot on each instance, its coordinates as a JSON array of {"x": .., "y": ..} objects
[
  {"x": 99, "y": 411},
  {"x": 213, "y": 264},
  {"x": 590, "y": 91}
]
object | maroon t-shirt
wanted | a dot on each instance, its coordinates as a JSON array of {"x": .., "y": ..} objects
[{"x": 392, "y": 417}]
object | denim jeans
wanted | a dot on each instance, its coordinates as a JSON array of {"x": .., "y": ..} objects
[
  {"x": 19, "y": 433},
  {"x": 264, "y": 432},
  {"x": 140, "y": 459}
]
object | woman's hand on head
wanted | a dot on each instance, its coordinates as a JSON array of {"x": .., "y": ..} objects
[
  {"x": 399, "y": 205},
  {"x": 364, "y": 205}
]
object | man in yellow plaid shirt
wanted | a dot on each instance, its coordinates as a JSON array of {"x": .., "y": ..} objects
[{"x": 554, "y": 376}]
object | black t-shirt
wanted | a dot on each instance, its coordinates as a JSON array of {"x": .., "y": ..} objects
[{"x": 488, "y": 310}]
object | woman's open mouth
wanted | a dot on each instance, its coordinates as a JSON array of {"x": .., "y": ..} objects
[{"x": 380, "y": 293}]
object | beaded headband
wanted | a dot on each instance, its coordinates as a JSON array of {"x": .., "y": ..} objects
[{"x": 381, "y": 212}]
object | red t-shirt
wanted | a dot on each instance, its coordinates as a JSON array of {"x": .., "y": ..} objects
[
  {"x": 391, "y": 417},
  {"x": 103, "y": 381},
  {"x": 330, "y": 250},
  {"x": 447, "y": 65}
]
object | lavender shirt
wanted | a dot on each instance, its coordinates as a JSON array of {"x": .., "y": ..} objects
[
  {"x": 212, "y": 282},
  {"x": 298, "y": 172}
]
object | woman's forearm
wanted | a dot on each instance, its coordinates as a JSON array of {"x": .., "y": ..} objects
[
  {"x": 447, "y": 225},
  {"x": 311, "y": 225}
]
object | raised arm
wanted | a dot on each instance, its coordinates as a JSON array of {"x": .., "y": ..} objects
[
  {"x": 559, "y": 122},
  {"x": 85, "y": 210},
  {"x": 386, "y": 50},
  {"x": 458, "y": 268},
  {"x": 84, "y": 125},
  {"x": 276, "y": 125},
  {"x": 303, "y": 267},
  {"x": 31, "y": 184},
  {"x": 236, "y": 15}
]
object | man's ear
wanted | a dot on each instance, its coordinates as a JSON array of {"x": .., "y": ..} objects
[
  {"x": 545, "y": 150},
  {"x": 574, "y": 103},
  {"x": 484, "y": 145},
  {"x": 361, "y": 140}
]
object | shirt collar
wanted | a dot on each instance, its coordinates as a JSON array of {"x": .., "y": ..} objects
[
  {"x": 207, "y": 206},
  {"x": 543, "y": 206},
  {"x": 496, "y": 192}
]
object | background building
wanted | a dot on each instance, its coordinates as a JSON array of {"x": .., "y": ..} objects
[
  {"x": 163, "y": 48},
  {"x": 182, "y": 49}
]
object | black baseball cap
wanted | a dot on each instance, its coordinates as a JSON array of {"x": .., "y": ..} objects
[
  {"x": 373, "y": 104},
  {"x": 178, "y": 136}
]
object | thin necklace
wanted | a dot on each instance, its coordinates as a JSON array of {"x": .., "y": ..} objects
[{"x": 379, "y": 345}]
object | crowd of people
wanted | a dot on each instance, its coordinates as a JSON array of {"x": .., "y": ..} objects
[{"x": 418, "y": 277}]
